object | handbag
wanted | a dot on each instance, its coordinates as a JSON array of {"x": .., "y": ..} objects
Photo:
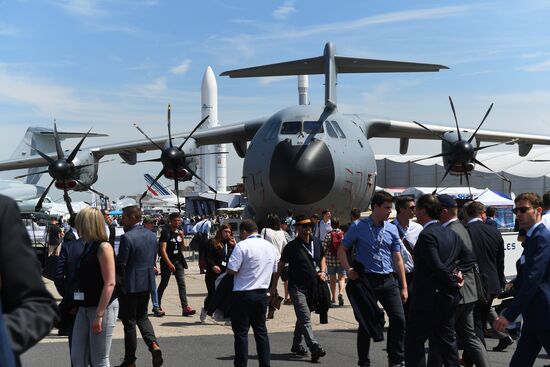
[
  {"x": 50, "y": 264},
  {"x": 481, "y": 286}
]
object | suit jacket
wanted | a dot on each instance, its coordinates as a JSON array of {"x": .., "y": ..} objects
[
  {"x": 29, "y": 310},
  {"x": 65, "y": 270},
  {"x": 489, "y": 251},
  {"x": 533, "y": 282},
  {"x": 491, "y": 222},
  {"x": 468, "y": 293},
  {"x": 435, "y": 253},
  {"x": 69, "y": 236},
  {"x": 135, "y": 260}
]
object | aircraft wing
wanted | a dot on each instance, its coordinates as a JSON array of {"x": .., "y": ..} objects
[
  {"x": 238, "y": 132},
  {"x": 381, "y": 128}
]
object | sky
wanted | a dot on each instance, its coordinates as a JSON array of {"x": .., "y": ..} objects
[{"x": 109, "y": 63}]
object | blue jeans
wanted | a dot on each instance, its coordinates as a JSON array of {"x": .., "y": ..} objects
[
  {"x": 88, "y": 346},
  {"x": 154, "y": 294},
  {"x": 249, "y": 309}
]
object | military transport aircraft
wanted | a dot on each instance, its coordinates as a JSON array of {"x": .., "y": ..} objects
[{"x": 307, "y": 157}]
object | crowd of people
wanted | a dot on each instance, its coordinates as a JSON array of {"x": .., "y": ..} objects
[{"x": 435, "y": 277}]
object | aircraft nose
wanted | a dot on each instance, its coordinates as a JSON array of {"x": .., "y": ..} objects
[{"x": 302, "y": 174}]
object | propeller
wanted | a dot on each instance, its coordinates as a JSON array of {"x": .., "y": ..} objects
[
  {"x": 460, "y": 154},
  {"x": 62, "y": 170},
  {"x": 173, "y": 159}
]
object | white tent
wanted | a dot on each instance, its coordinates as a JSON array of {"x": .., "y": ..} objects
[
  {"x": 489, "y": 197},
  {"x": 459, "y": 192}
]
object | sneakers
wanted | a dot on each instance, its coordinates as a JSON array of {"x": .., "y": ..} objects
[
  {"x": 503, "y": 344},
  {"x": 188, "y": 311},
  {"x": 299, "y": 350},
  {"x": 156, "y": 353},
  {"x": 317, "y": 352},
  {"x": 203, "y": 315},
  {"x": 340, "y": 300},
  {"x": 158, "y": 312}
]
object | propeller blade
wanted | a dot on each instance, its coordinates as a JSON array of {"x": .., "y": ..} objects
[
  {"x": 67, "y": 198},
  {"x": 539, "y": 160},
  {"x": 199, "y": 154},
  {"x": 57, "y": 142},
  {"x": 176, "y": 187},
  {"x": 148, "y": 138},
  {"x": 456, "y": 120},
  {"x": 149, "y": 186},
  {"x": 481, "y": 123},
  {"x": 192, "y": 132},
  {"x": 148, "y": 160},
  {"x": 46, "y": 157},
  {"x": 494, "y": 145},
  {"x": 89, "y": 188},
  {"x": 431, "y": 132},
  {"x": 433, "y": 156},
  {"x": 75, "y": 150},
  {"x": 42, "y": 197},
  {"x": 201, "y": 180},
  {"x": 443, "y": 178},
  {"x": 169, "y": 127},
  {"x": 467, "y": 180},
  {"x": 496, "y": 173},
  {"x": 31, "y": 174}
]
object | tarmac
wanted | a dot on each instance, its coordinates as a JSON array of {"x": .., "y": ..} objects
[{"x": 185, "y": 341}]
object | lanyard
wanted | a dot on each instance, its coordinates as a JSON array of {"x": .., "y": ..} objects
[
  {"x": 378, "y": 239},
  {"x": 310, "y": 252}
]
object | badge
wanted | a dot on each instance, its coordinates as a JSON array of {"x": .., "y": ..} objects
[
  {"x": 224, "y": 263},
  {"x": 377, "y": 257},
  {"x": 522, "y": 259},
  {"x": 78, "y": 296},
  {"x": 176, "y": 250},
  {"x": 317, "y": 269}
]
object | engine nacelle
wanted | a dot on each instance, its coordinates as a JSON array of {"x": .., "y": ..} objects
[
  {"x": 87, "y": 174},
  {"x": 458, "y": 153}
]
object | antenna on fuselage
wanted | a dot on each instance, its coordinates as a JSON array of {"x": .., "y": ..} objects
[{"x": 330, "y": 65}]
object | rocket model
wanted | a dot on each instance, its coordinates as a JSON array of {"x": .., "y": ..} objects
[{"x": 212, "y": 167}]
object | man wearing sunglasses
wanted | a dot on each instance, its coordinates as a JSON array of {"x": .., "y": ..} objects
[{"x": 532, "y": 300}]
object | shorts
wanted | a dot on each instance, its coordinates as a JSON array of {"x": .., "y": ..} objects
[{"x": 332, "y": 270}]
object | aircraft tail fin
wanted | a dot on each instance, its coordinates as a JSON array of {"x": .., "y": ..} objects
[
  {"x": 42, "y": 139},
  {"x": 330, "y": 65},
  {"x": 158, "y": 190}
]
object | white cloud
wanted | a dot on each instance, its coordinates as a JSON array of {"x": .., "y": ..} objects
[
  {"x": 85, "y": 8},
  {"x": 182, "y": 68},
  {"x": 7, "y": 30},
  {"x": 282, "y": 12},
  {"x": 543, "y": 66},
  {"x": 157, "y": 86}
]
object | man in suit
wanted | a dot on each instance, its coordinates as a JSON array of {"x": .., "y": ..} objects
[
  {"x": 135, "y": 276},
  {"x": 491, "y": 217},
  {"x": 434, "y": 291},
  {"x": 111, "y": 227},
  {"x": 71, "y": 234},
  {"x": 532, "y": 300},
  {"x": 28, "y": 309},
  {"x": 489, "y": 251},
  {"x": 464, "y": 324}
]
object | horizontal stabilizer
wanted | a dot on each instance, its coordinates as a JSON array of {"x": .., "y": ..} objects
[{"x": 70, "y": 135}]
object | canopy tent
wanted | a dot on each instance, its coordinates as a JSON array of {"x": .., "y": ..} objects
[
  {"x": 491, "y": 198},
  {"x": 458, "y": 192}
]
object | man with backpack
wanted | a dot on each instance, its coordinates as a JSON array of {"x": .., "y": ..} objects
[{"x": 335, "y": 271}]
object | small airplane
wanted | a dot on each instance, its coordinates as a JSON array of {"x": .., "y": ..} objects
[
  {"x": 306, "y": 157},
  {"x": 158, "y": 194}
]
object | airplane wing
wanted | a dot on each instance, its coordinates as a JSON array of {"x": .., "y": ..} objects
[
  {"x": 381, "y": 128},
  {"x": 238, "y": 132}
]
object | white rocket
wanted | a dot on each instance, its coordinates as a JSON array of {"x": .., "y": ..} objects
[{"x": 212, "y": 168}]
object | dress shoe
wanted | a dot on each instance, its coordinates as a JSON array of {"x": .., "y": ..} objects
[
  {"x": 299, "y": 350},
  {"x": 317, "y": 352},
  {"x": 127, "y": 364},
  {"x": 340, "y": 300},
  {"x": 156, "y": 353},
  {"x": 188, "y": 311},
  {"x": 271, "y": 314},
  {"x": 158, "y": 312},
  {"x": 503, "y": 344}
]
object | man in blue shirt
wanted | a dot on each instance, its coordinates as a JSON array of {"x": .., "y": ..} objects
[{"x": 376, "y": 246}]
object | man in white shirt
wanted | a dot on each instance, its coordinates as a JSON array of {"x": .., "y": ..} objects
[
  {"x": 252, "y": 263},
  {"x": 324, "y": 226}
]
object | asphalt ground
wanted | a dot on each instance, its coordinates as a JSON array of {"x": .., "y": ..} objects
[{"x": 187, "y": 342}]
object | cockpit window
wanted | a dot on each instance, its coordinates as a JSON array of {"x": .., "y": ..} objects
[
  {"x": 338, "y": 129},
  {"x": 313, "y": 127},
  {"x": 272, "y": 132},
  {"x": 330, "y": 130},
  {"x": 291, "y": 127}
]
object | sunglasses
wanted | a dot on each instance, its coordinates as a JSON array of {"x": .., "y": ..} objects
[{"x": 522, "y": 209}]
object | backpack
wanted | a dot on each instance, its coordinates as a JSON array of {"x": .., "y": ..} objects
[{"x": 335, "y": 240}]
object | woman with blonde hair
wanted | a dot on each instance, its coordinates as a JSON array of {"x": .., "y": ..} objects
[{"x": 95, "y": 283}]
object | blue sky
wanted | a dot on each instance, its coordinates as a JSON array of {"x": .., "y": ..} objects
[{"x": 109, "y": 63}]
